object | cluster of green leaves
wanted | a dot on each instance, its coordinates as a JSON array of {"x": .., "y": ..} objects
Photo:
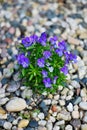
[{"x": 32, "y": 75}]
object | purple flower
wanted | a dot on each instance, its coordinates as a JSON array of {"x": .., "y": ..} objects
[
  {"x": 42, "y": 39},
  {"x": 47, "y": 54},
  {"x": 23, "y": 60},
  {"x": 64, "y": 69},
  {"x": 70, "y": 57},
  {"x": 26, "y": 42},
  {"x": 44, "y": 73},
  {"x": 54, "y": 80},
  {"x": 41, "y": 62},
  {"x": 59, "y": 52},
  {"x": 67, "y": 57},
  {"x": 34, "y": 38},
  {"x": 47, "y": 82},
  {"x": 62, "y": 45},
  {"x": 73, "y": 57},
  {"x": 53, "y": 40}
]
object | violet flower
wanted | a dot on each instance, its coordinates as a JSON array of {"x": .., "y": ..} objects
[
  {"x": 47, "y": 82},
  {"x": 43, "y": 38},
  {"x": 53, "y": 40},
  {"x": 59, "y": 52},
  {"x": 26, "y": 42},
  {"x": 23, "y": 60},
  {"x": 44, "y": 73},
  {"x": 62, "y": 45},
  {"x": 41, "y": 62},
  {"x": 47, "y": 54},
  {"x": 64, "y": 69},
  {"x": 54, "y": 80}
]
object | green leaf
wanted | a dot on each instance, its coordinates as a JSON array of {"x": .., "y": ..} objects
[
  {"x": 31, "y": 77},
  {"x": 23, "y": 72}
]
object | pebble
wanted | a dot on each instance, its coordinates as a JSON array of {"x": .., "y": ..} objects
[
  {"x": 3, "y": 100},
  {"x": 23, "y": 123},
  {"x": 59, "y": 123},
  {"x": 7, "y": 72},
  {"x": 52, "y": 119},
  {"x": 77, "y": 100},
  {"x": 75, "y": 114},
  {"x": 84, "y": 127},
  {"x": 42, "y": 122},
  {"x": 42, "y": 128},
  {"x": 54, "y": 108},
  {"x": 7, "y": 125},
  {"x": 27, "y": 93},
  {"x": 76, "y": 123},
  {"x": 70, "y": 107},
  {"x": 62, "y": 102},
  {"x": 56, "y": 128},
  {"x": 18, "y": 102},
  {"x": 73, "y": 41},
  {"x": 68, "y": 127},
  {"x": 33, "y": 123},
  {"x": 41, "y": 116},
  {"x": 64, "y": 115},
  {"x": 49, "y": 126},
  {"x": 83, "y": 105},
  {"x": 47, "y": 102},
  {"x": 13, "y": 86}
]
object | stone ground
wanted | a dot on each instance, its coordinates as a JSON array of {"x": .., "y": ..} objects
[{"x": 20, "y": 109}]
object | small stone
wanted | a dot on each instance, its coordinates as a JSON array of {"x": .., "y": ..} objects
[
  {"x": 2, "y": 111},
  {"x": 64, "y": 115},
  {"x": 68, "y": 127},
  {"x": 83, "y": 92},
  {"x": 7, "y": 125},
  {"x": 16, "y": 76},
  {"x": 42, "y": 128},
  {"x": 56, "y": 97},
  {"x": 18, "y": 102},
  {"x": 42, "y": 122},
  {"x": 2, "y": 92},
  {"x": 83, "y": 105},
  {"x": 56, "y": 128},
  {"x": 13, "y": 86},
  {"x": 54, "y": 108},
  {"x": 52, "y": 119},
  {"x": 49, "y": 126},
  {"x": 75, "y": 114},
  {"x": 70, "y": 107},
  {"x": 62, "y": 122},
  {"x": 2, "y": 122},
  {"x": 73, "y": 41},
  {"x": 27, "y": 93},
  {"x": 65, "y": 91},
  {"x": 3, "y": 101},
  {"x": 75, "y": 84},
  {"x": 23, "y": 123},
  {"x": 76, "y": 123},
  {"x": 77, "y": 100},
  {"x": 8, "y": 72},
  {"x": 83, "y": 35},
  {"x": 85, "y": 118},
  {"x": 62, "y": 102},
  {"x": 84, "y": 127},
  {"x": 33, "y": 123},
  {"x": 18, "y": 33},
  {"x": 47, "y": 102},
  {"x": 41, "y": 116}
]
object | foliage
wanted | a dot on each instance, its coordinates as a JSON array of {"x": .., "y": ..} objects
[{"x": 44, "y": 63}]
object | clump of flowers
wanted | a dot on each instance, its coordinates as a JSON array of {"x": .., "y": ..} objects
[{"x": 44, "y": 63}]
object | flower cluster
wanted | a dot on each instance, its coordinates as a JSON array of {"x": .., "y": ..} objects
[{"x": 44, "y": 63}]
